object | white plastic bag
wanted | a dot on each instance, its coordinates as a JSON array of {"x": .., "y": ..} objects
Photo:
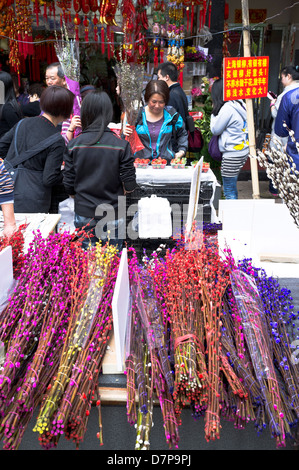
[
  {"x": 67, "y": 212},
  {"x": 154, "y": 217}
]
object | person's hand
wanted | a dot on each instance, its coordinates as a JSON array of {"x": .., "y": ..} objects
[
  {"x": 9, "y": 226},
  {"x": 272, "y": 103},
  {"x": 179, "y": 154},
  {"x": 9, "y": 229},
  {"x": 128, "y": 130},
  {"x": 75, "y": 122}
]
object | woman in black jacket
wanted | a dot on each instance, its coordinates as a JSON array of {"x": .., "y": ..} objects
[
  {"x": 33, "y": 151},
  {"x": 10, "y": 111},
  {"x": 99, "y": 170}
]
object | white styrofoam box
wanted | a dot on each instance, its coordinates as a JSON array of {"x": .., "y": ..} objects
[
  {"x": 274, "y": 232},
  {"x": 154, "y": 217},
  {"x": 262, "y": 231},
  {"x": 237, "y": 214}
]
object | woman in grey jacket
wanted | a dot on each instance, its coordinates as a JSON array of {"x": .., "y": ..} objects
[{"x": 229, "y": 122}]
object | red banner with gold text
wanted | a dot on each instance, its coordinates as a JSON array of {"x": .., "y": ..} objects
[{"x": 245, "y": 77}]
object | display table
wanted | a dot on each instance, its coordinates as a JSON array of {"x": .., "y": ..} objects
[
  {"x": 174, "y": 185},
  {"x": 170, "y": 175}
]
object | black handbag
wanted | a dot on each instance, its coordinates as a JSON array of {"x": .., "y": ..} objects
[
  {"x": 190, "y": 123},
  {"x": 27, "y": 180}
]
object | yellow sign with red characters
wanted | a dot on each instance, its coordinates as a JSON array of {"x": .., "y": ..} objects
[{"x": 245, "y": 77}]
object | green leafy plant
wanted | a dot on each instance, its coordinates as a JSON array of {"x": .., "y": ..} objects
[{"x": 204, "y": 123}]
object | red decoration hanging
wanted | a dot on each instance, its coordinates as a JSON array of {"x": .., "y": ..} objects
[
  {"x": 95, "y": 28},
  {"x": 85, "y": 6},
  {"x": 226, "y": 10},
  {"x": 210, "y": 11},
  {"x": 36, "y": 10},
  {"x": 24, "y": 27},
  {"x": 192, "y": 17},
  {"x": 108, "y": 11},
  {"x": 45, "y": 11},
  {"x": 77, "y": 5},
  {"x": 187, "y": 4},
  {"x": 77, "y": 22},
  {"x": 156, "y": 62},
  {"x": 65, "y": 6},
  {"x": 52, "y": 10},
  {"x": 93, "y": 5},
  {"x": 103, "y": 40},
  {"x": 86, "y": 23}
]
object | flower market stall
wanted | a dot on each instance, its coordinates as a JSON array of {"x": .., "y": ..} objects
[
  {"x": 200, "y": 332},
  {"x": 204, "y": 333}
]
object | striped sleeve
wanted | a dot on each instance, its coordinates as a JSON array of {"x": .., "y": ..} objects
[
  {"x": 6, "y": 185},
  {"x": 64, "y": 127}
]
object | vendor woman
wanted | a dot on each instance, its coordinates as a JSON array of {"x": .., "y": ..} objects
[{"x": 160, "y": 127}]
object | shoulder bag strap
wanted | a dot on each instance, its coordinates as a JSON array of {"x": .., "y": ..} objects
[{"x": 20, "y": 158}]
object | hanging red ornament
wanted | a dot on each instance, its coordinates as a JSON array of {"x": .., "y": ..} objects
[
  {"x": 192, "y": 17},
  {"x": 77, "y": 5},
  {"x": 156, "y": 61},
  {"x": 93, "y": 5},
  {"x": 103, "y": 40},
  {"x": 51, "y": 7},
  {"x": 226, "y": 10},
  {"x": 45, "y": 15},
  {"x": 86, "y": 23},
  {"x": 187, "y": 4},
  {"x": 36, "y": 10},
  {"x": 85, "y": 6},
  {"x": 95, "y": 28},
  {"x": 77, "y": 22},
  {"x": 65, "y": 6}
]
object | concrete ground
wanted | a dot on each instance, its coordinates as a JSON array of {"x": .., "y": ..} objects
[{"x": 245, "y": 190}]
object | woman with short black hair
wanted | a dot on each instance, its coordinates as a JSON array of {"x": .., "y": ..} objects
[
  {"x": 56, "y": 102},
  {"x": 10, "y": 112},
  {"x": 33, "y": 151}
]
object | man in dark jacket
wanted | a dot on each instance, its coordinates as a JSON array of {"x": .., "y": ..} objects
[{"x": 168, "y": 72}]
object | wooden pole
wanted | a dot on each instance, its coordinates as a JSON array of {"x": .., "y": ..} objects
[{"x": 249, "y": 106}]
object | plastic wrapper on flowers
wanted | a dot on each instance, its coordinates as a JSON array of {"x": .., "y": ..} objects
[
  {"x": 147, "y": 362},
  {"x": 251, "y": 312},
  {"x": 130, "y": 81},
  {"x": 55, "y": 326},
  {"x": 221, "y": 329},
  {"x": 67, "y": 405},
  {"x": 33, "y": 327},
  {"x": 67, "y": 51}
]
